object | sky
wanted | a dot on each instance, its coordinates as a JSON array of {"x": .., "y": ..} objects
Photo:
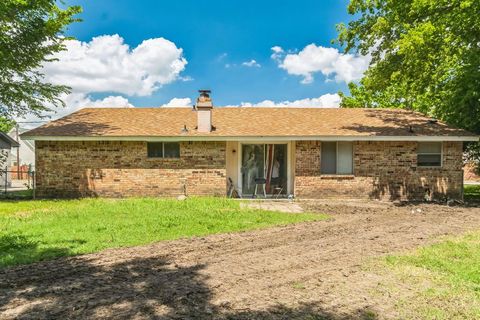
[{"x": 148, "y": 53}]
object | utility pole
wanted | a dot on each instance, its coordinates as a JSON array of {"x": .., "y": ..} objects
[{"x": 18, "y": 152}]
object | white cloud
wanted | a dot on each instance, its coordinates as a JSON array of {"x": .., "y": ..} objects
[
  {"x": 325, "y": 101},
  {"x": 251, "y": 63},
  {"x": 277, "y": 53},
  {"x": 277, "y": 49},
  {"x": 179, "y": 102},
  {"x": 222, "y": 56},
  {"x": 108, "y": 102},
  {"x": 107, "y": 64},
  {"x": 186, "y": 78},
  {"x": 74, "y": 102},
  {"x": 328, "y": 61}
]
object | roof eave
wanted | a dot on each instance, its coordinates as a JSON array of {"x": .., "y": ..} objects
[
  {"x": 12, "y": 142},
  {"x": 251, "y": 138}
]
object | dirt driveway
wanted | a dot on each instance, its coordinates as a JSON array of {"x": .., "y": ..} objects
[{"x": 308, "y": 270}]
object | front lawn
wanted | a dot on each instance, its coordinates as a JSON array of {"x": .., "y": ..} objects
[
  {"x": 443, "y": 279},
  {"x": 39, "y": 230}
]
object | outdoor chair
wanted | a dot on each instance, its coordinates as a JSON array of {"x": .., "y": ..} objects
[{"x": 260, "y": 182}]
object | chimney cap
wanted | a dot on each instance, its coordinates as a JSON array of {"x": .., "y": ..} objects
[
  {"x": 204, "y": 100},
  {"x": 205, "y": 91}
]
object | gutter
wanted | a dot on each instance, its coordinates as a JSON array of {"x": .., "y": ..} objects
[{"x": 250, "y": 138}]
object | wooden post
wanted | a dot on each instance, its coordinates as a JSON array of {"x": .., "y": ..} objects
[
  {"x": 34, "y": 181},
  {"x": 33, "y": 185},
  {"x": 6, "y": 180}
]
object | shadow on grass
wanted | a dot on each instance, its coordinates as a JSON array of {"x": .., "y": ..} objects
[
  {"x": 147, "y": 288},
  {"x": 19, "y": 249}
]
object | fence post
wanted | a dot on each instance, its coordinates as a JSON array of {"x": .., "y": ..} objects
[
  {"x": 33, "y": 185},
  {"x": 6, "y": 181}
]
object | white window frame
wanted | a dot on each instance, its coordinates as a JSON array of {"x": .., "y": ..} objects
[
  {"x": 163, "y": 150},
  {"x": 336, "y": 159},
  {"x": 290, "y": 161},
  {"x": 430, "y": 153}
]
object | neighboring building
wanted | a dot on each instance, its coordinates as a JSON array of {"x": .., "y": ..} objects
[
  {"x": 6, "y": 145},
  {"x": 306, "y": 152},
  {"x": 26, "y": 150},
  {"x": 470, "y": 174}
]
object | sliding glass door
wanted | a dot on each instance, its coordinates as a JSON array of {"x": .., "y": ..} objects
[
  {"x": 253, "y": 166},
  {"x": 264, "y": 165}
]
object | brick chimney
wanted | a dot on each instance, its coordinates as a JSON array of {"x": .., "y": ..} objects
[{"x": 204, "y": 108}]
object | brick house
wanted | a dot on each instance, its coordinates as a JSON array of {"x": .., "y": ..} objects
[{"x": 305, "y": 152}]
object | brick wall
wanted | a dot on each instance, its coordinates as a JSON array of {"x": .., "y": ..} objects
[
  {"x": 121, "y": 169},
  {"x": 382, "y": 170}
]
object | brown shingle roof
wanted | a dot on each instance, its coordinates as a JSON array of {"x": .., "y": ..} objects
[{"x": 244, "y": 122}]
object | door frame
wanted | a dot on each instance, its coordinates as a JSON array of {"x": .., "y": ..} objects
[{"x": 289, "y": 162}]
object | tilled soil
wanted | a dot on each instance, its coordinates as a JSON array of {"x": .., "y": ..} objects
[{"x": 308, "y": 270}]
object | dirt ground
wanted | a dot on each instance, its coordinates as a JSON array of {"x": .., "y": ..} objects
[{"x": 304, "y": 271}]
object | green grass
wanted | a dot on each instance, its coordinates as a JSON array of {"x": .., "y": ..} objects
[
  {"x": 21, "y": 194},
  {"x": 445, "y": 277},
  {"x": 39, "y": 230},
  {"x": 472, "y": 192}
]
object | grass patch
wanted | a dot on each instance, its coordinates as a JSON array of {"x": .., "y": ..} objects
[
  {"x": 471, "y": 192},
  {"x": 444, "y": 278},
  {"x": 39, "y": 230},
  {"x": 298, "y": 285},
  {"x": 20, "y": 194}
]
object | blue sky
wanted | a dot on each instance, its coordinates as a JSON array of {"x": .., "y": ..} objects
[
  {"x": 249, "y": 53},
  {"x": 216, "y": 34}
]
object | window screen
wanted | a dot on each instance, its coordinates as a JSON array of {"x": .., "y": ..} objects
[
  {"x": 345, "y": 157},
  {"x": 329, "y": 158},
  {"x": 337, "y": 158},
  {"x": 171, "y": 150},
  {"x": 429, "y": 154},
  {"x": 163, "y": 149},
  {"x": 155, "y": 149}
]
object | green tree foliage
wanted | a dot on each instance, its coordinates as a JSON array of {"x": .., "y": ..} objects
[
  {"x": 6, "y": 124},
  {"x": 425, "y": 57},
  {"x": 31, "y": 31}
]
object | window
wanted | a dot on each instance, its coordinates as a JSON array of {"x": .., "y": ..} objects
[
  {"x": 337, "y": 158},
  {"x": 171, "y": 150},
  {"x": 163, "y": 149},
  {"x": 429, "y": 154},
  {"x": 155, "y": 149}
]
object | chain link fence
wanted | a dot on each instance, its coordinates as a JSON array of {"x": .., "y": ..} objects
[{"x": 17, "y": 184}]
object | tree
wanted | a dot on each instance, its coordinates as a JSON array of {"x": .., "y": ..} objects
[
  {"x": 6, "y": 124},
  {"x": 425, "y": 57},
  {"x": 31, "y": 31}
]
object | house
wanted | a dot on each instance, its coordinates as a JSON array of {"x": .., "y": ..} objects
[
  {"x": 305, "y": 152},
  {"x": 22, "y": 160},
  {"x": 26, "y": 149},
  {"x": 471, "y": 174},
  {"x": 6, "y": 144}
]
